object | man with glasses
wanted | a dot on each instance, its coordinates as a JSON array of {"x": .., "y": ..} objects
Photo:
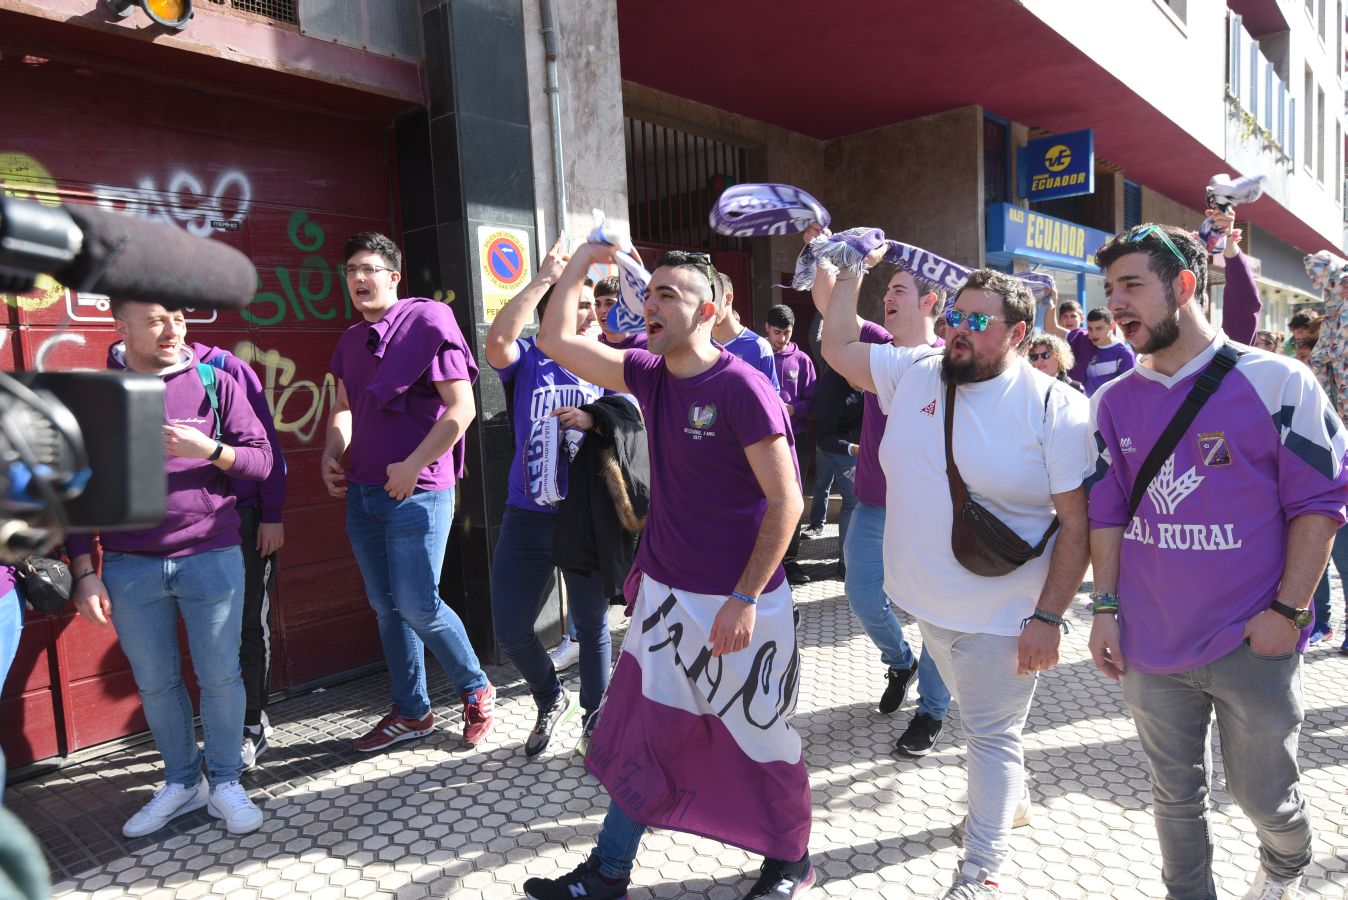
[
  {"x": 404, "y": 400},
  {"x": 1020, "y": 441},
  {"x": 694, "y": 733},
  {"x": 1204, "y": 582}
]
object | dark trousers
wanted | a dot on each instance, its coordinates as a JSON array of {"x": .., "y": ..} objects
[{"x": 259, "y": 586}]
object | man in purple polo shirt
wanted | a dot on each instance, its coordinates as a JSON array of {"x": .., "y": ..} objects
[
  {"x": 189, "y": 565},
  {"x": 1203, "y": 593},
  {"x": 404, "y": 400},
  {"x": 910, "y": 311},
  {"x": 694, "y": 734},
  {"x": 1112, "y": 356}
]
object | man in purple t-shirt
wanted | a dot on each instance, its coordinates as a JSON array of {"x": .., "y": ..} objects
[
  {"x": 688, "y": 738},
  {"x": 1203, "y": 591},
  {"x": 910, "y": 310},
  {"x": 1112, "y": 356},
  {"x": 1064, "y": 321},
  {"x": 523, "y": 566},
  {"x": 404, "y": 400},
  {"x": 189, "y": 565}
]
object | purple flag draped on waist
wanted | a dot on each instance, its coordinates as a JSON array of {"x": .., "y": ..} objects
[{"x": 756, "y": 210}]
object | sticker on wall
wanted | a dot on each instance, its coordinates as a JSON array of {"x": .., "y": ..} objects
[{"x": 504, "y": 265}]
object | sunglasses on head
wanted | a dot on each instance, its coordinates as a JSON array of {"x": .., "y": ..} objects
[
  {"x": 1146, "y": 230},
  {"x": 703, "y": 262},
  {"x": 977, "y": 321},
  {"x": 1046, "y": 355}
]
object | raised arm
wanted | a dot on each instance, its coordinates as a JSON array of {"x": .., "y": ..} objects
[
  {"x": 502, "y": 351},
  {"x": 583, "y": 356},
  {"x": 1051, "y": 325},
  {"x": 843, "y": 347},
  {"x": 1240, "y": 299}
]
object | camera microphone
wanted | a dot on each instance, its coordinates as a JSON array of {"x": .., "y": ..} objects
[{"x": 90, "y": 249}]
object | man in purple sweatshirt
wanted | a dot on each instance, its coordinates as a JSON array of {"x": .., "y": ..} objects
[
  {"x": 795, "y": 369},
  {"x": 189, "y": 565},
  {"x": 261, "y": 535},
  {"x": 404, "y": 401},
  {"x": 1112, "y": 356},
  {"x": 1203, "y": 589}
]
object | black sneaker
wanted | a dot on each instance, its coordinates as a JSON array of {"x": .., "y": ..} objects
[
  {"x": 896, "y": 691},
  {"x": 551, "y": 718},
  {"x": 582, "y": 883},
  {"x": 921, "y": 733},
  {"x": 795, "y": 575},
  {"x": 782, "y": 880}
]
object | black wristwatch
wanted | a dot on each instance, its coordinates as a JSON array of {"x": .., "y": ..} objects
[{"x": 1299, "y": 618}]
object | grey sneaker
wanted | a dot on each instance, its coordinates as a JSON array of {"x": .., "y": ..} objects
[
  {"x": 167, "y": 804},
  {"x": 1266, "y": 887},
  {"x": 551, "y": 718},
  {"x": 971, "y": 883}
]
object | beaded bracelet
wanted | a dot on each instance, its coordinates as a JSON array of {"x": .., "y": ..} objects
[{"x": 1048, "y": 617}]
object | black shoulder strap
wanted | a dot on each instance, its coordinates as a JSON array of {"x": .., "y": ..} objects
[{"x": 1203, "y": 388}]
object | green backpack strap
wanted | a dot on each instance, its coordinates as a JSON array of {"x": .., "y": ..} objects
[{"x": 206, "y": 372}]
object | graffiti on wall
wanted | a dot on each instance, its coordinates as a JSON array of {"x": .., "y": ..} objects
[
  {"x": 298, "y": 406},
  {"x": 313, "y": 287}
]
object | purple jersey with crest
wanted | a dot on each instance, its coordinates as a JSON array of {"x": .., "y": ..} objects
[
  {"x": 706, "y": 503},
  {"x": 1207, "y": 547}
]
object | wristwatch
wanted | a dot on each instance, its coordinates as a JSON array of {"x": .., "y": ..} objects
[
  {"x": 219, "y": 448},
  {"x": 1299, "y": 618}
]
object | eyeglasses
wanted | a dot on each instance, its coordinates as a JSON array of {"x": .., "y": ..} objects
[
  {"x": 1046, "y": 355},
  {"x": 367, "y": 271},
  {"x": 977, "y": 321},
  {"x": 1146, "y": 230}
]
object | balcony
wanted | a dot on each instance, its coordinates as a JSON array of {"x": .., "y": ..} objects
[{"x": 1258, "y": 100}]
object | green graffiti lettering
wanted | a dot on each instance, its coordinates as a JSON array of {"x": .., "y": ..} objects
[{"x": 300, "y": 222}]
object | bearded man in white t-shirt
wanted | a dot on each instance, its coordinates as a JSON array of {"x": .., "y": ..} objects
[{"x": 1020, "y": 440}]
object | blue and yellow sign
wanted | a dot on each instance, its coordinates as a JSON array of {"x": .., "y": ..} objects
[
  {"x": 1058, "y": 165},
  {"x": 1017, "y": 232}
]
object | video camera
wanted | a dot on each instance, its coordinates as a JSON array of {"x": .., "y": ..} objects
[{"x": 85, "y": 450}]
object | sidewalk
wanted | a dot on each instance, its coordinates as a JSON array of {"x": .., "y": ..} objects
[{"x": 430, "y": 820}]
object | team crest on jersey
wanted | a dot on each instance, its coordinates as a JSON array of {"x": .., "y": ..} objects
[
  {"x": 929, "y": 409},
  {"x": 702, "y": 415},
  {"x": 1212, "y": 447}
]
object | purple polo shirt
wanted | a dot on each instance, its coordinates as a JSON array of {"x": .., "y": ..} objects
[
  {"x": 706, "y": 504},
  {"x": 389, "y": 369}
]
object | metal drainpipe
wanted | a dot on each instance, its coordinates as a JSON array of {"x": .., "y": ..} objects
[{"x": 550, "y": 53}]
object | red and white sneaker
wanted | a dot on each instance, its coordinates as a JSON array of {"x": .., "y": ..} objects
[
  {"x": 479, "y": 714},
  {"x": 393, "y": 728}
]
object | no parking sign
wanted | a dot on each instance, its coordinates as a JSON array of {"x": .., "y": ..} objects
[{"x": 503, "y": 257}]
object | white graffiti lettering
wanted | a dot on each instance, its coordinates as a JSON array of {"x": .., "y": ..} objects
[{"x": 184, "y": 202}]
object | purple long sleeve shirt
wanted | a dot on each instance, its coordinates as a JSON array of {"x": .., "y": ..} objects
[
  {"x": 200, "y": 513},
  {"x": 268, "y": 495}
]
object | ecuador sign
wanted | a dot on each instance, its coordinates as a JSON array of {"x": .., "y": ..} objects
[
  {"x": 503, "y": 265},
  {"x": 1058, "y": 165},
  {"x": 1013, "y": 231}
]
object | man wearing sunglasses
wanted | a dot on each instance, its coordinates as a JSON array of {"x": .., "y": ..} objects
[
  {"x": 695, "y": 732},
  {"x": 1020, "y": 441},
  {"x": 1203, "y": 593}
]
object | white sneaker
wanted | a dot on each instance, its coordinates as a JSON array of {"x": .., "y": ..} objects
[
  {"x": 255, "y": 742},
  {"x": 229, "y": 801},
  {"x": 971, "y": 883},
  {"x": 1019, "y": 820},
  {"x": 169, "y": 802},
  {"x": 566, "y": 654},
  {"x": 1267, "y": 887}
]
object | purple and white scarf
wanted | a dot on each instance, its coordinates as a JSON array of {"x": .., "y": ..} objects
[
  {"x": 761, "y": 210},
  {"x": 547, "y": 460},
  {"x": 626, "y": 315},
  {"x": 1223, "y": 193}
]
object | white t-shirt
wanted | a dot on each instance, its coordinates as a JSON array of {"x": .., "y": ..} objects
[{"x": 1019, "y": 438}]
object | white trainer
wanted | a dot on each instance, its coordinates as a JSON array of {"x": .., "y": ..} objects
[
  {"x": 566, "y": 654},
  {"x": 229, "y": 801},
  {"x": 169, "y": 802},
  {"x": 1266, "y": 887}
]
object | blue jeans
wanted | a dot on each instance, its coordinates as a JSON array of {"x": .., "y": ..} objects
[
  {"x": 521, "y": 570},
  {"x": 147, "y": 594},
  {"x": 618, "y": 841},
  {"x": 1338, "y": 559},
  {"x": 1257, "y": 701},
  {"x": 11, "y": 626},
  {"x": 865, "y": 588},
  {"x": 400, "y": 547},
  {"x": 830, "y": 469}
]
